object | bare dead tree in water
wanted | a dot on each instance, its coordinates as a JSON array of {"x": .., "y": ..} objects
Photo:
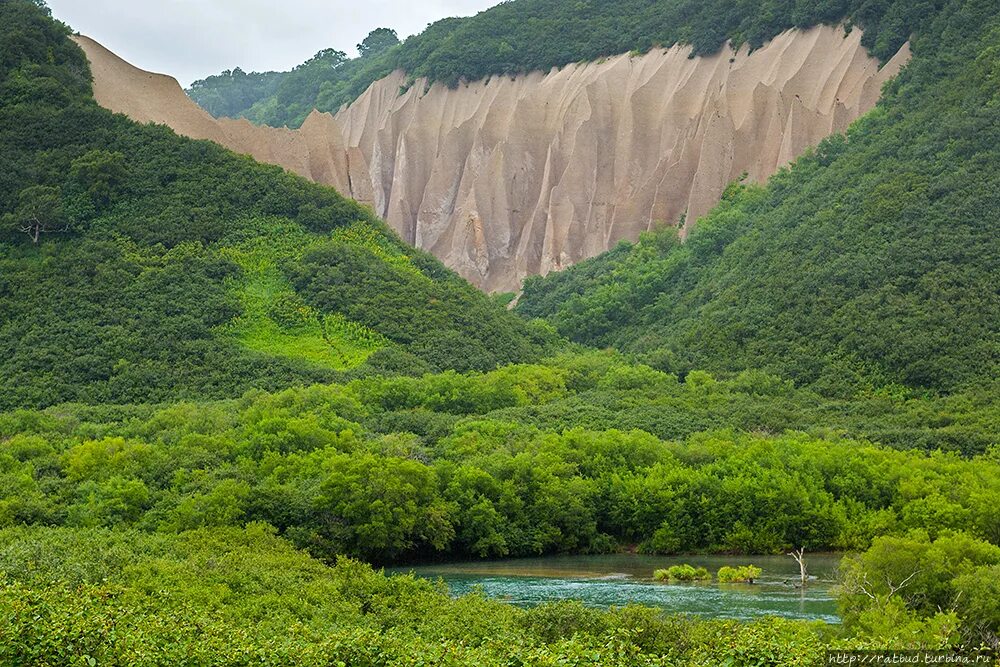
[{"x": 800, "y": 557}]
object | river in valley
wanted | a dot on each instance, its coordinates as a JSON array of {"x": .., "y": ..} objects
[{"x": 620, "y": 579}]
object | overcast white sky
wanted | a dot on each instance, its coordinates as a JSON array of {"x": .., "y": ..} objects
[{"x": 191, "y": 39}]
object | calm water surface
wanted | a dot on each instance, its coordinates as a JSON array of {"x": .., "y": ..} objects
[{"x": 615, "y": 580}]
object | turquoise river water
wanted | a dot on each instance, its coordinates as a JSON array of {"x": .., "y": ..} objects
[{"x": 616, "y": 580}]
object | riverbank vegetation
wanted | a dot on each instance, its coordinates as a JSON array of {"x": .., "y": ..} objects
[{"x": 238, "y": 596}]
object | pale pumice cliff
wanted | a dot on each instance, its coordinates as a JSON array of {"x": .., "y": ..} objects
[{"x": 510, "y": 177}]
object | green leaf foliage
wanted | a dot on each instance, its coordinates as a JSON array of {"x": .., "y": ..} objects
[
  {"x": 237, "y": 597},
  {"x": 743, "y": 574},
  {"x": 682, "y": 573},
  {"x": 396, "y": 469},
  {"x": 218, "y": 380}
]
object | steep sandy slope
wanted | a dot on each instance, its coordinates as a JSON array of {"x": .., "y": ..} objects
[
  {"x": 510, "y": 177},
  {"x": 315, "y": 151}
]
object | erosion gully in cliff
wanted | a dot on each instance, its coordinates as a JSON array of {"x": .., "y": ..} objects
[{"x": 509, "y": 177}]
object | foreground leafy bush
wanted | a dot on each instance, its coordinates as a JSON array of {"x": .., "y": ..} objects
[{"x": 941, "y": 589}]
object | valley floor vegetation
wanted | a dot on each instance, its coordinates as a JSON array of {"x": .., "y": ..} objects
[
  {"x": 126, "y": 523},
  {"x": 243, "y": 596}
]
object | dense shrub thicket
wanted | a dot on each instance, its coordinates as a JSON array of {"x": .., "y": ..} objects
[
  {"x": 872, "y": 263},
  {"x": 527, "y": 35},
  {"x": 395, "y": 469},
  {"x": 177, "y": 522},
  {"x": 139, "y": 266}
]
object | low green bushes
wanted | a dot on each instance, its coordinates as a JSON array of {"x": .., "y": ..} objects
[
  {"x": 683, "y": 572},
  {"x": 745, "y": 574}
]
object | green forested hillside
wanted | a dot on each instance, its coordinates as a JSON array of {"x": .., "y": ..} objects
[
  {"x": 231, "y": 93},
  {"x": 527, "y": 35},
  {"x": 139, "y": 266},
  {"x": 873, "y": 263}
]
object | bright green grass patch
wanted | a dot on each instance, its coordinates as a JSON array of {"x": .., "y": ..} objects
[{"x": 277, "y": 322}]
